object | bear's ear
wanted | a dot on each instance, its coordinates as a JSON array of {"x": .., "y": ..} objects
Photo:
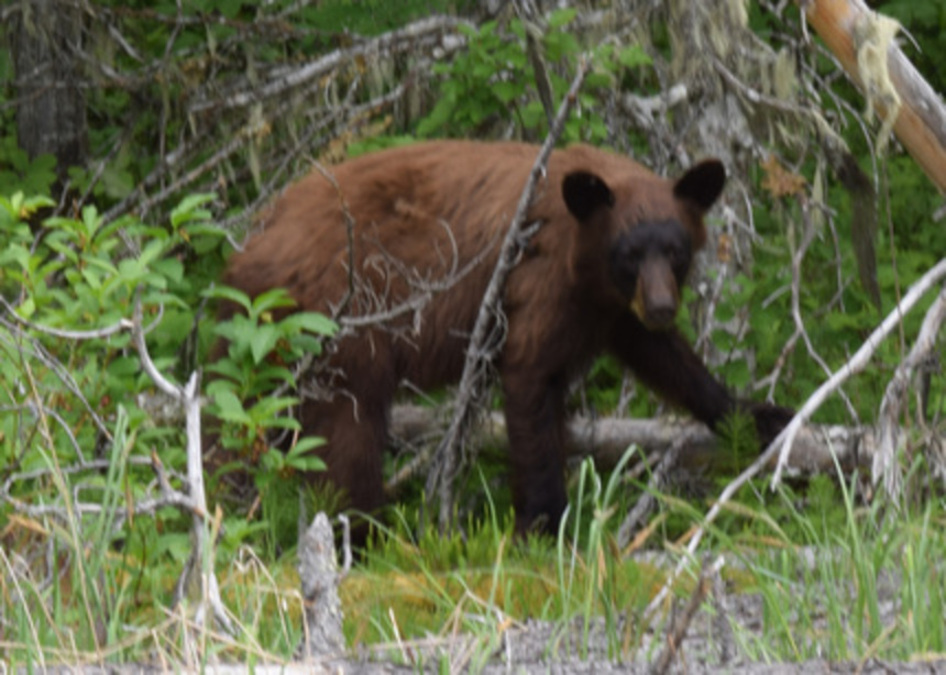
[
  {"x": 585, "y": 193},
  {"x": 702, "y": 184}
]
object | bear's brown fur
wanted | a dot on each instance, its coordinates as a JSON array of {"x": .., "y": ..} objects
[{"x": 601, "y": 275}]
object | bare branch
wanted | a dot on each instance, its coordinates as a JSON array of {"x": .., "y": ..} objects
[
  {"x": 647, "y": 500},
  {"x": 189, "y": 398},
  {"x": 782, "y": 445},
  {"x": 96, "y": 334},
  {"x": 138, "y": 337},
  {"x": 885, "y": 467},
  {"x": 676, "y": 632},
  {"x": 528, "y": 13},
  {"x": 425, "y": 28},
  {"x": 485, "y": 340},
  {"x": 853, "y": 366}
]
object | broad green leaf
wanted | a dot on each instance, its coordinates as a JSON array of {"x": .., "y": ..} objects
[
  {"x": 263, "y": 341},
  {"x": 189, "y": 209},
  {"x": 229, "y": 407},
  {"x": 271, "y": 299},
  {"x": 312, "y": 322},
  {"x": 269, "y": 407},
  {"x": 228, "y": 293}
]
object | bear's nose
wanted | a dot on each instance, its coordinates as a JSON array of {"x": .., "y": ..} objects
[
  {"x": 660, "y": 314},
  {"x": 656, "y": 296}
]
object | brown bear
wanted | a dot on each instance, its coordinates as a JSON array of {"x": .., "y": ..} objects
[{"x": 408, "y": 238}]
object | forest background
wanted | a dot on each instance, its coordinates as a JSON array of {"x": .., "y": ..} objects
[{"x": 137, "y": 141}]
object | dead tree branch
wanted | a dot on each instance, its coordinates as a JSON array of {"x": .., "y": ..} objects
[
  {"x": 863, "y": 41},
  {"x": 782, "y": 445},
  {"x": 885, "y": 466},
  {"x": 431, "y": 28},
  {"x": 677, "y": 630},
  {"x": 189, "y": 397},
  {"x": 818, "y": 448},
  {"x": 487, "y": 339},
  {"x": 853, "y": 366},
  {"x": 197, "y": 158},
  {"x": 318, "y": 572}
]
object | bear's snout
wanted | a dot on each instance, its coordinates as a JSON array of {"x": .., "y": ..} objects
[{"x": 656, "y": 296}]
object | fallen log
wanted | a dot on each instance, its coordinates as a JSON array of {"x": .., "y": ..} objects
[{"x": 817, "y": 449}]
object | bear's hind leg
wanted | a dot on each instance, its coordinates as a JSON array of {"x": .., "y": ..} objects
[{"x": 354, "y": 440}]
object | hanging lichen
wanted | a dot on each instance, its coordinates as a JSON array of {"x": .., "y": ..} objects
[{"x": 873, "y": 36}]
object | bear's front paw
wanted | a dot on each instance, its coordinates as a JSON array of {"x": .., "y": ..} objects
[{"x": 769, "y": 421}]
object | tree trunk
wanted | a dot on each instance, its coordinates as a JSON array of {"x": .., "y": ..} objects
[{"x": 45, "y": 38}]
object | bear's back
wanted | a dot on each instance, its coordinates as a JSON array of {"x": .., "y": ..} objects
[
  {"x": 425, "y": 223},
  {"x": 401, "y": 203}
]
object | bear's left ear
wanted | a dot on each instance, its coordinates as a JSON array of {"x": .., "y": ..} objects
[
  {"x": 702, "y": 184},
  {"x": 585, "y": 193}
]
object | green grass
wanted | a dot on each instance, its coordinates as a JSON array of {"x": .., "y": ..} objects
[
  {"x": 868, "y": 585},
  {"x": 835, "y": 580}
]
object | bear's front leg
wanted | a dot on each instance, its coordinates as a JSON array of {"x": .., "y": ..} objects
[
  {"x": 535, "y": 423},
  {"x": 665, "y": 362}
]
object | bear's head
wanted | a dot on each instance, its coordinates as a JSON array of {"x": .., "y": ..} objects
[{"x": 652, "y": 241}]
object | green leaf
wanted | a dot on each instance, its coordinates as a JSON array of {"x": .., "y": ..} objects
[
  {"x": 91, "y": 222},
  {"x": 152, "y": 251},
  {"x": 169, "y": 268},
  {"x": 228, "y": 293},
  {"x": 189, "y": 209},
  {"x": 506, "y": 91},
  {"x": 312, "y": 322},
  {"x": 27, "y": 308},
  {"x": 226, "y": 369},
  {"x": 301, "y": 458},
  {"x": 270, "y": 300},
  {"x": 305, "y": 444},
  {"x": 269, "y": 407},
  {"x": 633, "y": 57},
  {"x": 561, "y": 17},
  {"x": 229, "y": 407},
  {"x": 263, "y": 341}
]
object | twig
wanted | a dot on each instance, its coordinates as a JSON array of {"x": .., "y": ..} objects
[
  {"x": 885, "y": 466},
  {"x": 798, "y": 257},
  {"x": 531, "y": 22},
  {"x": 188, "y": 151},
  {"x": 484, "y": 342},
  {"x": 94, "y": 334},
  {"x": 647, "y": 500},
  {"x": 679, "y": 626},
  {"x": 40, "y": 353}
]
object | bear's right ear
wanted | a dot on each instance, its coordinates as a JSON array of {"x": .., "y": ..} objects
[
  {"x": 585, "y": 193},
  {"x": 702, "y": 184}
]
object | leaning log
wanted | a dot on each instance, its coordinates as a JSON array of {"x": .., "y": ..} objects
[{"x": 862, "y": 40}]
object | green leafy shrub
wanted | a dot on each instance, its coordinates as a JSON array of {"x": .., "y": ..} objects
[
  {"x": 259, "y": 351},
  {"x": 492, "y": 82}
]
